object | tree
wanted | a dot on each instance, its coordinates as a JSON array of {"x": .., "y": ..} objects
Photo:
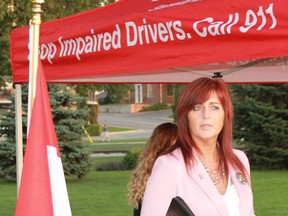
[
  {"x": 116, "y": 93},
  {"x": 177, "y": 90},
  {"x": 7, "y": 130},
  {"x": 69, "y": 115},
  {"x": 6, "y": 25},
  {"x": 261, "y": 123}
]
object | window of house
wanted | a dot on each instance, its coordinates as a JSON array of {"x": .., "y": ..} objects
[
  {"x": 169, "y": 89},
  {"x": 150, "y": 91}
]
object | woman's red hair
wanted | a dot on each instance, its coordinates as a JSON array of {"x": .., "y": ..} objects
[{"x": 198, "y": 92}]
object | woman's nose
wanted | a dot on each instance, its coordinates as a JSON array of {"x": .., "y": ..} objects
[{"x": 206, "y": 113}]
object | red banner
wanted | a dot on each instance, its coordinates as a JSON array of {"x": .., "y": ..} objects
[{"x": 156, "y": 39}]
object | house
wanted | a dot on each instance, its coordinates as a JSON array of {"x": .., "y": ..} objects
[
  {"x": 143, "y": 95},
  {"x": 152, "y": 94}
]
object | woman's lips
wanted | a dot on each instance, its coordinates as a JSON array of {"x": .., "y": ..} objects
[{"x": 206, "y": 126}]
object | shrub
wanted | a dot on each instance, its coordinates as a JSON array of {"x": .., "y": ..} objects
[
  {"x": 93, "y": 129},
  {"x": 131, "y": 158},
  {"x": 8, "y": 161},
  {"x": 153, "y": 107},
  {"x": 110, "y": 166}
]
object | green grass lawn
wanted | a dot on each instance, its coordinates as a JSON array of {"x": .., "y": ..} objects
[
  {"x": 100, "y": 193},
  {"x": 119, "y": 129},
  {"x": 104, "y": 194},
  {"x": 270, "y": 190},
  {"x": 7, "y": 198}
]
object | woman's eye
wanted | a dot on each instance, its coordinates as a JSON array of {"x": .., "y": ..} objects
[
  {"x": 196, "y": 108},
  {"x": 215, "y": 108}
]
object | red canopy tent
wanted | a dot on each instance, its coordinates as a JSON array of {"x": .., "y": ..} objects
[
  {"x": 159, "y": 41},
  {"x": 162, "y": 41}
]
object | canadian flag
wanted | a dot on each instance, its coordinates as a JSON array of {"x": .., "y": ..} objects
[{"x": 43, "y": 188}]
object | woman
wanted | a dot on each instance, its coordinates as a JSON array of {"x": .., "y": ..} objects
[
  {"x": 205, "y": 171},
  {"x": 161, "y": 142}
]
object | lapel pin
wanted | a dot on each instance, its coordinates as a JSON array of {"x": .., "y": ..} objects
[{"x": 240, "y": 178}]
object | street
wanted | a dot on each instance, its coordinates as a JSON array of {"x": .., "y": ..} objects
[{"x": 142, "y": 122}]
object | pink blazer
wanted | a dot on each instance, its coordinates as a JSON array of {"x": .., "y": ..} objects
[{"x": 169, "y": 178}]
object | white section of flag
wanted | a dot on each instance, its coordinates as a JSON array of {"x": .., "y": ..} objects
[{"x": 61, "y": 205}]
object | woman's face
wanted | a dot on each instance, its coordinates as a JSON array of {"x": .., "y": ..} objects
[{"x": 206, "y": 120}]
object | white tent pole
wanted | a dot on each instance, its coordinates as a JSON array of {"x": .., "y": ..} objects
[{"x": 19, "y": 133}]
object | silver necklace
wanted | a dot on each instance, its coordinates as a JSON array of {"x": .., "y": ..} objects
[{"x": 217, "y": 174}]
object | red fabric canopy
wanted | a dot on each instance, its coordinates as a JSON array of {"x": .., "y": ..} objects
[{"x": 162, "y": 41}]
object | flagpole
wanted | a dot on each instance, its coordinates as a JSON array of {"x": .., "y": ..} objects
[
  {"x": 33, "y": 66},
  {"x": 34, "y": 55}
]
